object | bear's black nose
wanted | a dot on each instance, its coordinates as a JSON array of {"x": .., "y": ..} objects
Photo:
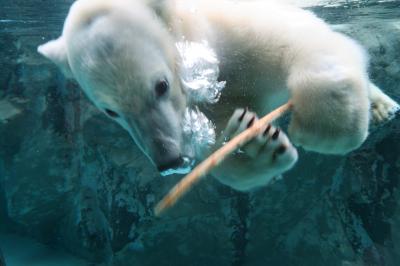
[{"x": 172, "y": 164}]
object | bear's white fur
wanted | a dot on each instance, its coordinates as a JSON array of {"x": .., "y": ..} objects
[{"x": 270, "y": 52}]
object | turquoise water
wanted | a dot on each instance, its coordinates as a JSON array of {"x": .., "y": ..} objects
[{"x": 74, "y": 190}]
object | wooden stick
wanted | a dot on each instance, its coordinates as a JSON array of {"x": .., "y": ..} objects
[{"x": 216, "y": 158}]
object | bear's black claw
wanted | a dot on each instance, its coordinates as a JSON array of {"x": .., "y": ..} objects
[
  {"x": 251, "y": 122},
  {"x": 267, "y": 130},
  {"x": 276, "y": 134},
  {"x": 242, "y": 115}
]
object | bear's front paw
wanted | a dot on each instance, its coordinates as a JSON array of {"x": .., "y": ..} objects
[
  {"x": 258, "y": 161},
  {"x": 270, "y": 151}
]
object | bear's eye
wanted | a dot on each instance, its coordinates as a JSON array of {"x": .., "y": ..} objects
[
  {"x": 111, "y": 113},
  {"x": 161, "y": 87}
]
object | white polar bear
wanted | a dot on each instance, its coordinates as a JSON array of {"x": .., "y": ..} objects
[{"x": 123, "y": 54}]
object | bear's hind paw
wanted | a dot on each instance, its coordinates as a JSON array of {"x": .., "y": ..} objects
[{"x": 384, "y": 109}]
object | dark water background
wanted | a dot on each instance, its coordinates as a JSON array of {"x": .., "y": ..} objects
[{"x": 70, "y": 189}]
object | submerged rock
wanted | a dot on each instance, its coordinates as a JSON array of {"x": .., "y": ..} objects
[
  {"x": 7, "y": 111},
  {"x": 2, "y": 261}
]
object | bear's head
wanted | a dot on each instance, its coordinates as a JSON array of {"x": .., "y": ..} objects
[{"x": 126, "y": 62}]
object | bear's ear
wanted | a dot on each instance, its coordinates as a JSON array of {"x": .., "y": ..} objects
[{"x": 56, "y": 51}]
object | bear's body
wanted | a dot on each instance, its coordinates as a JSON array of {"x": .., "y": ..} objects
[{"x": 123, "y": 55}]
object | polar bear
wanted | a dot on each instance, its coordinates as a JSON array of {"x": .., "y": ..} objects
[{"x": 123, "y": 55}]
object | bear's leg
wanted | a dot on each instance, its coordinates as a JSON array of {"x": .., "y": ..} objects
[
  {"x": 330, "y": 108},
  {"x": 259, "y": 161},
  {"x": 383, "y": 108}
]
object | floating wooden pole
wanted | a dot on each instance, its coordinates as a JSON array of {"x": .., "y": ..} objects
[{"x": 186, "y": 183}]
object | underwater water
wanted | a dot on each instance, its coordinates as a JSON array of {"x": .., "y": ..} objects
[{"x": 75, "y": 190}]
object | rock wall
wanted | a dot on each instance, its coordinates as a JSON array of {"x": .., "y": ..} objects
[
  {"x": 70, "y": 176},
  {"x": 2, "y": 261}
]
